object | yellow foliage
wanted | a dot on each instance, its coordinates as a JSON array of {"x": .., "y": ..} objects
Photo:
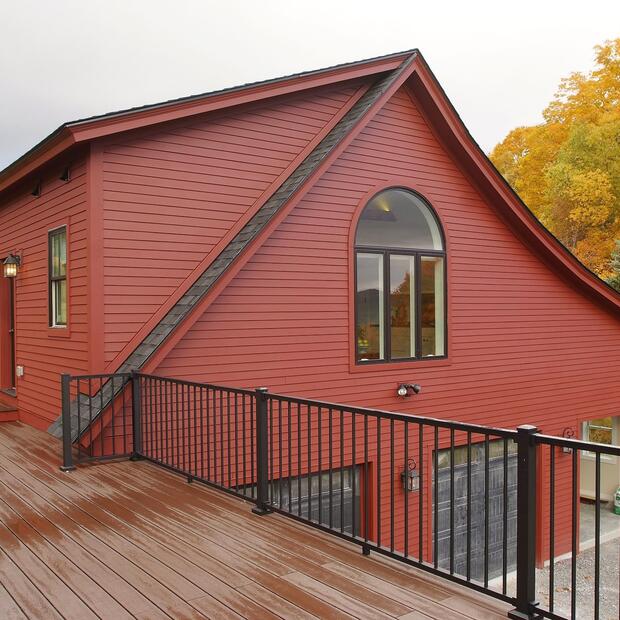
[{"x": 567, "y": 169}]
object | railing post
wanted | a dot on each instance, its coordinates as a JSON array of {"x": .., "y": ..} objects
[
  {"x": 526, "y": 524},
  {"x": 67, "y": 442},
  {"x": 262, "y": 453},
  {"x": 136, "y": 415}
]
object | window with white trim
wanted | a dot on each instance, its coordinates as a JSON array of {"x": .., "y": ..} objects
[{"x": 57, "y": 242}]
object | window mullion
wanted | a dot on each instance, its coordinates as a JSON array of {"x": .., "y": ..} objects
[
  {"x": 387, "y": 288},
  {"x": 418, "y": 306}
]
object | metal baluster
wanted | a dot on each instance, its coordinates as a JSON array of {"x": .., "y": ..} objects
[
  {"x": 124, "y": 413},
  {"x": 452, "y": 501},
  {"x": 551, "y": 526},
  {"x": 101, "y": 433},
  {"x": 342, "y": 471},
  {"x": 366, "y": 481},
  {"x": 228, "y": 439},
  {"x": 271, "y": 445},
  {"x": 353, "y": 476},
  {"x": 597, "y": 536},
  {"x": 421, "y": 494},
  {"x": 436, "y": 502},
  {"x": 331, "y": 481},
  {"x": 244, "y": 439},
  {"x": 406, "y": 485},
  {"x": 202, "y": 435},
  {"x": 290, "y": 453},
  {"x": 320, "y": 465},
  {"x": 505, "y": 520},
  {"x": 298, "y": 459},
  {"x": 197, "y": 441},
  {"x": 309, "y": 465},
  {"x": 252, "y": 443},
  {"x": 236, "y": 418},
  {"x": 280, "y": 453},
  {"x": 391, "y": 485},
  {"x": 486, "y": 511},
  {"x": 378, "y": 485},
  {"x": 573, "y": 594},
  {"x": 469, "y": 507}
]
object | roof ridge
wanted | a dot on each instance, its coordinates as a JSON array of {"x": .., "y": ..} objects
[
  {"x": 189, "y": 98},
  {"x": 203, "y": 284}
]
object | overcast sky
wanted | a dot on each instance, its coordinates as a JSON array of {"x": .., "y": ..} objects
[{"x": 499, "y": 62}]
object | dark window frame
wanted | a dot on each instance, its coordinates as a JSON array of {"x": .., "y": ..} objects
[
  {"x": 387, "y": 309},
  {"x": 52, "y": 279}
]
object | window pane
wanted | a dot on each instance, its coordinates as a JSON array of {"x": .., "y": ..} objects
[
  {"x": 397, "y": 218},
  {"x": 59, "y": 302},
  {"x": 58, "y": 242},
  {"x": 600, "y": 431},
  {"x": 402, "y": 307},
  {"x": 432, "y": 306},
  {"x": 370, "y": 320}
]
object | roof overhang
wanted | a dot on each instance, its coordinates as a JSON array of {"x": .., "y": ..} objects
[{"x": 83, "y": 130}]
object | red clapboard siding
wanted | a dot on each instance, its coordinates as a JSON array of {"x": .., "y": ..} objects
[
  {"x": 24, "y": 224},
  {"x": 524, "y": 346},
  {"x": 170, "y": 196}
]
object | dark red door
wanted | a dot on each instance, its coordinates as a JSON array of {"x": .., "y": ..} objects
[{"x": 7, "y": 334}]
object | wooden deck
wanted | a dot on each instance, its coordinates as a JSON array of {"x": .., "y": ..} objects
[{"x": 131, "y": 540}]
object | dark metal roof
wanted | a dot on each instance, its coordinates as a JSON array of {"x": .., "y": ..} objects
[
  {"x": 240, "y": 242},
  {"x": 186, "y": 99}
]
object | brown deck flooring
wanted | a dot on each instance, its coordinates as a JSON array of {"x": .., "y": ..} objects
[{"x": 131, "y": 540}]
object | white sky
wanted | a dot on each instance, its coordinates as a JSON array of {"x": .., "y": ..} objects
[{"x": 499, "y": 61}]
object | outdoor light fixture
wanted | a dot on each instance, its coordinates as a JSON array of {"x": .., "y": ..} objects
[
  {"x": 569, "y": 433},
  {"x": 10, "y": 265},
  {"x": 410, "y": 477},
  {"x": 405, "y": 389}
]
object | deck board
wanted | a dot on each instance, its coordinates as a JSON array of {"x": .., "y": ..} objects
[{"x": 130, "y": 539}]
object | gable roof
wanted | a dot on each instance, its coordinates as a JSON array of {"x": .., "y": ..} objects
[
  {"x": 391, "y": 72},
  {"x": 72, "y": 133},
  {"x": 191, "y": 298}
]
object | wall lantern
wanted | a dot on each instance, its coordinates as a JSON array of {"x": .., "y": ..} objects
[
  {"x": 410, "y": 477},
  {"x": 405, "y": 389},
  {"x": 568, "y": 433},
  {"x": 11, "y": 265}
]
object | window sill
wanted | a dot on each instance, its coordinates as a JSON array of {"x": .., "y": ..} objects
[
  {"x": 59, "y": 332},
  {"x": 397, "y": 367}
]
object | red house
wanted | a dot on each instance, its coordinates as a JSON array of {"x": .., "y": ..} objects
[{"x": 332, "y": 235}]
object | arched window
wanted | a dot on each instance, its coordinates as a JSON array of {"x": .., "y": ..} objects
[{"x": 400, "y": 280}]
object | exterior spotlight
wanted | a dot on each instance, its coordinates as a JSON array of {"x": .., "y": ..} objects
[
  {"x": 405, "y": 389},
  {"x": 410, "y": 477},
  {"x": 569, "y": 433},
  {"x": 10, "y": 265}
]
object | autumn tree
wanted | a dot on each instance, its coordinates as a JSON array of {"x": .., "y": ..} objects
[
  {"x": 614, "y": 279},
  {"x": 567, "y": 169}
]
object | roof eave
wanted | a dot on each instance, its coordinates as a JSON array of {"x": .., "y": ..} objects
[
  {"x": 94, "y": 127},
  {"x": 516, "y": 209}
]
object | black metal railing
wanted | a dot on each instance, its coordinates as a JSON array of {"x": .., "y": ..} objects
[
  {"x": 484, "y": 507},
  {"x": 572, "y": 584},
  {"x": 97, "y": 421}
]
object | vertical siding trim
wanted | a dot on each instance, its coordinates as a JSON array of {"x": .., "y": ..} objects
[
  {"x": 94, "y": 196},
  {"x": 217, "y": 249}
]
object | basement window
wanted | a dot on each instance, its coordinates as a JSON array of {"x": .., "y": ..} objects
[{"x": 57, "y": 243}]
